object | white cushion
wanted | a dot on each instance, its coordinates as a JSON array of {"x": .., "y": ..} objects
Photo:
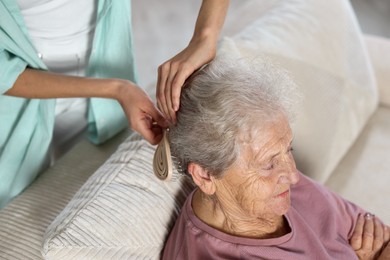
[
  {"x": 320, "y": 44},
  {"x": 24, "y": 220},
  {"x": 379, "y": 50},
  {"x": 363, "y": 175},
  {"x": 122, "y": 212}
]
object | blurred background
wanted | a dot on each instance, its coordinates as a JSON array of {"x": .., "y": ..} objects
[
  {"x": 373, "y": 16},
  {"x": 161, "y": 29},
  {"x": 159, "y": 36}
]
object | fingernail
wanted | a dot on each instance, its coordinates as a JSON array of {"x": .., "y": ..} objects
[{"x": 369, "y": 216}]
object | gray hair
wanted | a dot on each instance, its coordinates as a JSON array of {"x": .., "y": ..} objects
[{"x": 223, "y": 101}]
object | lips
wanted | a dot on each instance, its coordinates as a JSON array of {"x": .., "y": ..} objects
[{"x": 283, "y": 194}]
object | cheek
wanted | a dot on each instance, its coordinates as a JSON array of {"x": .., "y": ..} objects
[
  {"x": 255, "y": 194},
  {"x": 262, "y": 198}
]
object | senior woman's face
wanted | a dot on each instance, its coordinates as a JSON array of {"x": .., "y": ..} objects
[{"x": 258, "y": 185}]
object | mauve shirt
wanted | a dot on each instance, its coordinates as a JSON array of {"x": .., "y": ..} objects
[{"x": 321, "y": 224}]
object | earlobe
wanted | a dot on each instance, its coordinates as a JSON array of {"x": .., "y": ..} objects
[{"x": 202, "y": 178}]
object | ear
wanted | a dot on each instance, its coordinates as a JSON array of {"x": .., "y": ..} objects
[{"x": 202, "y": 178}]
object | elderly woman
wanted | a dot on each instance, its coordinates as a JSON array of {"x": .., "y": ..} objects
[{"x": 234, "y": 139}]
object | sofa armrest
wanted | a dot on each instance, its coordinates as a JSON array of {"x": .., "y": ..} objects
[{"x": 379, "y": 52}]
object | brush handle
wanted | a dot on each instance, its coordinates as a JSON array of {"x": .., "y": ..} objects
[{"x": 162, "y": 160}]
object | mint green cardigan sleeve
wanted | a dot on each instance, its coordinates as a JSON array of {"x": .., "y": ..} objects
[
  {"x": 11, "y": 67},
  {"x": 16, "y": 49},
  {"x": 26, "y": 125}
]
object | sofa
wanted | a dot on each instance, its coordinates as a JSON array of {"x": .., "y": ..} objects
[{"x": 104, "y": 202}]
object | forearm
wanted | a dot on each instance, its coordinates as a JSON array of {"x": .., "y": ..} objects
[
  {"x": 42, "y": 84},
  {"x": 210, "y": 19}
]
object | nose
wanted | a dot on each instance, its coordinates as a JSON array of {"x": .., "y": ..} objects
[
  {"x": 294, "y": 176},
  {"x": 289, "y": 173}
]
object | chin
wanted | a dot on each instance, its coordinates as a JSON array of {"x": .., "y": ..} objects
[
  {"x": 283, "y": 211},
  {"x": 282, "y": 207}
]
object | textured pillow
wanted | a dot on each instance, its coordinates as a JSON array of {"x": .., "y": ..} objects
[
  {"x": 320, "y": 44},
  {"x": 122, "y": 212}
]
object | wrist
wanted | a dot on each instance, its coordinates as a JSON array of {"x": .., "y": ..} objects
[
  {"x": 207, "y": 42},
  {"x": 206, "y": 35},
  {"x": 117, "y": 89}
]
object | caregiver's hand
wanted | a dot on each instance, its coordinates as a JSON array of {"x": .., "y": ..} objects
[
  {"x": 369, "y": 237},
  {"x": 141, "y": 113},
  {"x": 201, "y": 50},
  {"x": 173, "y": 73}
]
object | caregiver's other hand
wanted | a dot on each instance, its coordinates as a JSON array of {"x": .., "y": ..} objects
[
  {"x": 173, "y": 73},
  {"x": 202, "y": 49},
  {"x": 141, "y": 113},
  {"x": 369, "y": 236}
]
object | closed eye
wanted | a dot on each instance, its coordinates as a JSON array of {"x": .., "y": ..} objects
[{"x": 268, "y": 167}]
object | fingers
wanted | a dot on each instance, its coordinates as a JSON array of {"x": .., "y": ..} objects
[
  {"x": 369, "y": 236},
  {"x": 356, "y": 239},
  {"x": 386, "y": 234},
  {"x": 163, "y": 72},
  {"x": 378, "y": 235},
  {"x": 368, "y": 232},
  {"x": 168, "y": 91},
  {"x": 179, "y": 74},
  {"x": 152, "y": 133},
  {"x": 143, "y": 116},
  {"x": 170, "y": 81},
  {"x": 151, "y": 124},
  {"x": 177, "y": 85},
  {"x": 156, "y": 115}
]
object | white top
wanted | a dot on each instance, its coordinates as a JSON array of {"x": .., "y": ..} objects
[
  {"x": 62, "y": 33},
  {"x": 61, "y": 30}
]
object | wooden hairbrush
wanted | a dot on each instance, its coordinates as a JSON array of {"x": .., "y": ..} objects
[{"x": 162, "y": 160}]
